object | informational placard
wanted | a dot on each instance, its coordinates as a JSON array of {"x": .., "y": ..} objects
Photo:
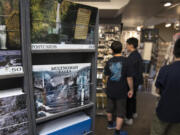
[
  {"x": 62, "y": 46},
  {"x": 147, "y": 51},
  {"x": 11, "y": 70},
  {"x": 82, "y": 23}
]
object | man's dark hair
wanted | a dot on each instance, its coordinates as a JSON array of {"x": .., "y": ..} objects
[
  {"x": 177, "y": 48},
  {"x": 116, "y": 46},
  {"x": 133, "y": 41}
]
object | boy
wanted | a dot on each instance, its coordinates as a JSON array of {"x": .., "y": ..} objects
[
  {"x": 137, "y": 65},
  {"x": 118, "y": 77}
]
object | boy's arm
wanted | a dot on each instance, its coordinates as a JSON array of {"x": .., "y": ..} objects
[
  {"x": 129, "y": 74},
  {"x": 105, "y": 79},
  {"x": 130, "y": 84}
]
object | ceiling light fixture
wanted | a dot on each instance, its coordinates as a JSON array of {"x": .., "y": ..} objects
[
  {"x": 139, "y": 28},
  {"x": 167, "y": 4},
  {"x": 167, "y": 25}
]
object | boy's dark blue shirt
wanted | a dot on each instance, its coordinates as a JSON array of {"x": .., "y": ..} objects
[
  {"x": 117, "y": 69},
  {"x": 137, "y": 66},
  {"x": 168, "y": 81}
]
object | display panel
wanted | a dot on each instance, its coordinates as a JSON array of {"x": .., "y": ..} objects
[
  {"x": 65, "y": 25},
  {"x": 60, "y": 87}
]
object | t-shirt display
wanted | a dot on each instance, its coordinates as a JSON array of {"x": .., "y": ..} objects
[
  {"x": 65, "y": 25},
  {"x": 118, "y": 69},
  {"x": 60, "y": 87}
]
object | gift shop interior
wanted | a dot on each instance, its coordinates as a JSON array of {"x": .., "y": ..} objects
[{"x": 53, "y": 55}]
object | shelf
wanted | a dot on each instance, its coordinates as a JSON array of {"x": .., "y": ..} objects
[
  {"x": 100, "y": 67},
  {"x": 65, "y": 51},
  {"x": 12, "y": 76},
  {"x": 62, "y": 48},
  {"x": 100, "y": 112},
  {"x": 60, "y": 114},
  {"x": 100, "y": 57}
]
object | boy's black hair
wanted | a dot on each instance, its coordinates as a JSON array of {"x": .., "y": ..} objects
[
  {"x": 116, "y": 46},
  {"x": 177, "y": 49},
  {"x": 133, "y": 41}
]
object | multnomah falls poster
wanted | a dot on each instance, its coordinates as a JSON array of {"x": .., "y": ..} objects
[{"x": 60, "y": 87}]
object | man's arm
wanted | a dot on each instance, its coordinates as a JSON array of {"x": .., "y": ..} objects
[
  {"x": 161, "y": 79},
  {"x": 130, "y": 84}
]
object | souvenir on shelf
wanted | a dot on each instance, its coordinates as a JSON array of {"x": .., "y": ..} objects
[
  {"x": 58, "y": 88},
  {"x": 13, "y": 112},
  {"x": 10, "y": 62},
  {"x": 65, "y": 25}
]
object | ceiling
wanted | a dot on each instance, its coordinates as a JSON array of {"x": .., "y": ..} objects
[
  {"x": 111, "y": 9},
  {"x": 136, "y": 12},
  {"x": 149, "y": 12},
  {"x": 111, "y": 5}
]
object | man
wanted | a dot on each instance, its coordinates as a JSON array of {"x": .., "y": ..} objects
[
  {"x": 118, "y": 77},
  {"x": 167, "y": 118},
  {"x": 137, "y": 65}
]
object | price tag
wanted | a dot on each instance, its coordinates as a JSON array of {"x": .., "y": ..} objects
[{"x": 11, "y": 70}]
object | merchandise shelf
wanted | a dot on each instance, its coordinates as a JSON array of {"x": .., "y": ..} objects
[
  {"x": 63, "y": 113},
  {"x": 12, "y": 76},
  {"x": 65, "y": 51}
]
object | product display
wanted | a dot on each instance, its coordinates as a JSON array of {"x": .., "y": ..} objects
[
  {"x": 126, "y": 34},
  {"x": 60, "y": 87},
  {"x": 76, "y": 124},
  {"x": 13, "y": 112},
  {"x": 149, "y": 35},
  {"x": 9, "y": 25},
  {"x": 10, "y": 62},
  {"x": 101, "y": 103},
  {"x": 164, "y": 49},
  {"x": 20, "y": 129},
  {"x": 53, "y": 78},
  {"x": 68, "y": 25}
]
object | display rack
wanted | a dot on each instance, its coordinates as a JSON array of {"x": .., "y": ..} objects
[
  {"x": 24, "y": 80},
  {"x": 59, "y": 56}
]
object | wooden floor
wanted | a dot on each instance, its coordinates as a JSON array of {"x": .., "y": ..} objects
[{"x": 141, "y": 126}]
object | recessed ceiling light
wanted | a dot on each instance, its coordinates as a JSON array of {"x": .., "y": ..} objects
[
  {"x": 167, "y": 4},
  {"x": 168, "y": 25},
  {"x": 139, "y": 28}
]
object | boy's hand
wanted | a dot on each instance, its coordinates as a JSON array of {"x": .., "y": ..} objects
[{"x": 130, "y": 94}]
